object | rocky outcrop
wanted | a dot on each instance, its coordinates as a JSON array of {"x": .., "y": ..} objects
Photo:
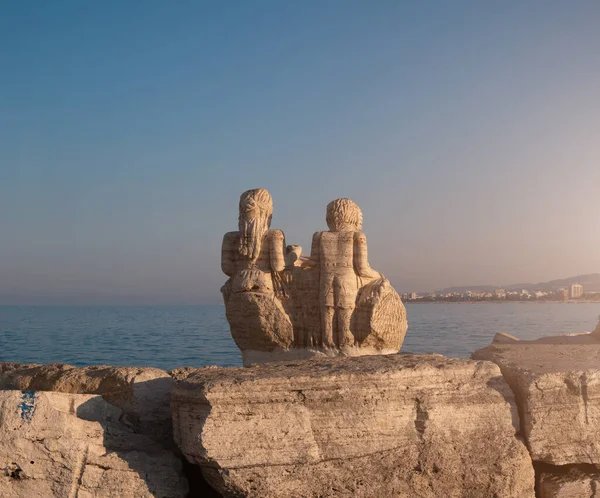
[
  {"x": 570, "y": 482},
  {"x": 567, "y": 339},
  {"x": 72, "y": 445},
  {"x": 556, "y": 381},
  {"x": 143, "y": 394},
  {"x": 557, "y": 387},
  {"x": 398, "y": 425}
]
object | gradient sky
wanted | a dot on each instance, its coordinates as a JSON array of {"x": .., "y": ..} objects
[{"x": 468, "y": 132}]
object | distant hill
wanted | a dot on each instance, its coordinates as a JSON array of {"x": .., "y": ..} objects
[
  {"x": 590, "y": 282},
  {"x": 473, "y": 288}
]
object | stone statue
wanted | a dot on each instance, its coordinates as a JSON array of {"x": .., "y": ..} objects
[
  {"x": 253, "y": 258},
  {"x": 340, "y": 256},
  {"x": 293, "y": 257},
  {"x": 281, "y": 304}
]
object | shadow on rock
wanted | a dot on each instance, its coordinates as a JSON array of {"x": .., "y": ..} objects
[
  {"x": 500, "y": 385},
  {"x": 129, "y": 460},
  {"x": 199, "y": 487}
]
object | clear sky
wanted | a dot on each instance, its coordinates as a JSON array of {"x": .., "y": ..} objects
[{"x": 468, "y": 132}]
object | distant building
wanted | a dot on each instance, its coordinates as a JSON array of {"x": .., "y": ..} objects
[
  {"x": 576, "y": 291},
  {"x": 565, "y": 293},
  {"x": 500, "y": 294},
  {"x": 413, "y": 296}
]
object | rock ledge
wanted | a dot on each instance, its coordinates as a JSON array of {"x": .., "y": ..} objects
[{"x": 402, "y": 425}]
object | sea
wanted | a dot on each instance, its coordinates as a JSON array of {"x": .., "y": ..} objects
[{"x": 173, "y": 336}]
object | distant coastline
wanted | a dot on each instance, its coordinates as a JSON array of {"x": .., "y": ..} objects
[{"x": 502, "y": 301}]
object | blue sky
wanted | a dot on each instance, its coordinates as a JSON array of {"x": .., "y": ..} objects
[{"x": 467, "y": 131}]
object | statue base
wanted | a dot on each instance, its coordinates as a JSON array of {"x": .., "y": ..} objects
[{"x": 251, "y": 357}]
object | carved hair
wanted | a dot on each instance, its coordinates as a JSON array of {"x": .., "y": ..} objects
[
  {"x": 256, "y": 209},
  {"x": 343, "y": 215}
]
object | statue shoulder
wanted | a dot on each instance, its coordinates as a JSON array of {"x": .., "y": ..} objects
[
  {"x": 229, "y": 236},
  {"x": 360, "y": 237},
  {"x": 275, "y": 235}
]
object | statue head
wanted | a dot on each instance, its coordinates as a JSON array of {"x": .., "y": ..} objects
[
  {"x": 292, "y": 256},
  {"x": 343, "y": 215},
  {"x": 256, "y": 211}
]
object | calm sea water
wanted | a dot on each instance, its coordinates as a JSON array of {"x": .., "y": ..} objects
[{"x": 169, "y": 337}]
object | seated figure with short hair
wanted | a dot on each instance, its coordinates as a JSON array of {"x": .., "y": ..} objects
[{"x": 340, "y": 255}]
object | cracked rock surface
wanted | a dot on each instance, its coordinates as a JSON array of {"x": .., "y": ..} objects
[
  {"x": 143, "y": 394},
  {"x": 78, "y": 446},
  {"x": 557, "y": 387},
  {"x": 569, "y": 482},
  {"x": 399, "y": 425}
]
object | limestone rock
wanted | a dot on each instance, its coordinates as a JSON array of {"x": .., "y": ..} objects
[
  {"x": 577, "y": 338},
  {"x": 281, "y": 304},
  {"x": 557, "y": 388},
  {"x": 72, "y": 445},
  {"x": 570, "y": 483},
  {"x": 385, "y": 426},
  {"x": 143, "y": 394},
  {"x": 504, "y": 338}
]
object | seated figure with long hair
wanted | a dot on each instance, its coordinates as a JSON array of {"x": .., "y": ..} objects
[{"x": 253, "y": 258}]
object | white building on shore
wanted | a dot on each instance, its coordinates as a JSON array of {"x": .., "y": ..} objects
[{"x": 576, "y": 291}]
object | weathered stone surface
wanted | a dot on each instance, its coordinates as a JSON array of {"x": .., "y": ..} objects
[
  {"x": 385, "y": 426},
  {"x": 572, "y": 482},
  {"x": 578, "y": 338},
  {"x": 73, "y": 445},
  {"x": 183, "y": 373},
  {"x": 557, "y": 386},
  {"x": 281, "y": 304},
  {"x": 143, "y": 394}
]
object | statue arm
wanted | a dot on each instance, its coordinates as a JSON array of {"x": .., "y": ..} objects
[
  {"x": 361, "y": 262},
  {"x": 314, "y": 258},
  {"x": 277, "y": 250},
  {"x": 228, "y": 250}
]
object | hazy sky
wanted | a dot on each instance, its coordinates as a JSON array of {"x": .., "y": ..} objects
[{"x": 468, "y": 132}]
